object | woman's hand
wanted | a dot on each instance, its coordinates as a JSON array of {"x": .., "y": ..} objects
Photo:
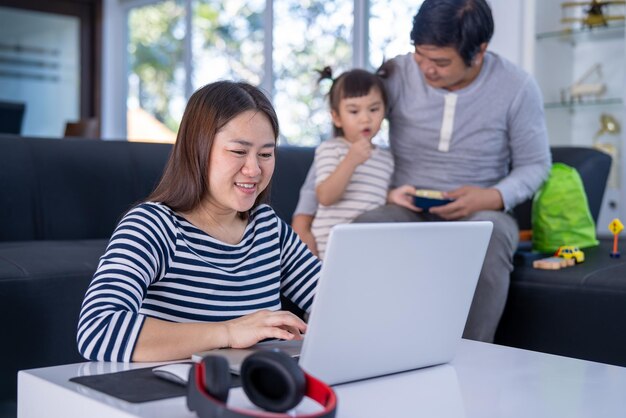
[
  {"x": 403, "y": 196},
  {"x": 249, "y": 329}
]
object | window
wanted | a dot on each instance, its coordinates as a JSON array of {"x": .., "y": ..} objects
[
  {"x": 390, "y": 29},
  {"x": 227, "y": 41},
  {"x": 308, "y": 36},
  {"x": 177, "y": 46},
  {"x": 389, "y": 36},
  {"x": 156, "y": 78}
]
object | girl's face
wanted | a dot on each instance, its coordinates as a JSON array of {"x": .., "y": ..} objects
[
  {"x": 241, "y": 162},
  {"x": 360, "y": 117}
]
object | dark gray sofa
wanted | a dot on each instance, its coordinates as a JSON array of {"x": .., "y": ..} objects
[{"x": 60, "y": 200}]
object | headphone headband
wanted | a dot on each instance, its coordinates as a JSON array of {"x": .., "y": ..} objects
[{"x": 207, "y": 406}]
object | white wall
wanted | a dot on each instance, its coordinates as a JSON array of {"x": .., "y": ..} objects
[{"x": 509, "y": 25}]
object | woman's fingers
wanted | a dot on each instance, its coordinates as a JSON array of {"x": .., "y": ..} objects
[
  {"x": 284, "y": 318},
  {"x": 250, "y": 329},
  {"x": 297, "y": 335}
]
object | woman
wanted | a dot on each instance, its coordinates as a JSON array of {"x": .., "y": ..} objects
[{"x": 202, "y": 263}]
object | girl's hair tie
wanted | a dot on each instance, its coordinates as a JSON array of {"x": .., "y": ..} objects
[{"x": 325, "y": 73}]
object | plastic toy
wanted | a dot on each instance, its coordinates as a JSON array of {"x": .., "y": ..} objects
[
  {"x": 427, "y": 199},
  {"x": 615, "y": 227},
  {"x": 595, "y": 13},
  {"x": 570, "y": 252},
  {"x": 553, "y": 263}
]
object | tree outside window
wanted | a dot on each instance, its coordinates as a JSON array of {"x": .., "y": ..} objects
[
  {"x": 227, "y": 42},
  {"x": 156, "y": 35},
  {"x": 308, "y": 35}
]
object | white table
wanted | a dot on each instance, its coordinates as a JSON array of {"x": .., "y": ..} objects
[{"x": 483, "y": 381}]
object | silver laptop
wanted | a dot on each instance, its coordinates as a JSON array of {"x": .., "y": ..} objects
[{"x": 391, "y": 297}]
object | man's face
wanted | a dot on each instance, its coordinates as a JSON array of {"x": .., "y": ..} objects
[{"x": 444, "y": 68}]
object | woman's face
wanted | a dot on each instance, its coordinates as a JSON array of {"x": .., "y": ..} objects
[{"x": 241, "y": 162}]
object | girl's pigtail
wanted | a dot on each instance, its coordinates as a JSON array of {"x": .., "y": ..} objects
[{"x": 325, "y": 73}]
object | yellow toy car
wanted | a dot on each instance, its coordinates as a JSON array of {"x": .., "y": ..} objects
[{"x": 570, "y": 251}]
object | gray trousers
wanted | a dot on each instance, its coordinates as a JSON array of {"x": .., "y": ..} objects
[{"x": 493, "y": 283}]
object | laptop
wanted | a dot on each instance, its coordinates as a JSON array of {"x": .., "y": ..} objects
[{"x": 391, "y": 297}]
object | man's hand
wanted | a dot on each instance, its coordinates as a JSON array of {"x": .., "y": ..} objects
[
  {"x": 403, "y": 196},
  {"x": 468, "y": 200}
]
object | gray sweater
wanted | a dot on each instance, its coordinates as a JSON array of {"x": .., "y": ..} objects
[
  {"x": 491, "y": 133},
  {"x": 497, "y": 135}
]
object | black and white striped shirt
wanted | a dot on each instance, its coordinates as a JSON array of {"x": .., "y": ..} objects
[{"x": 158, "y": 264}]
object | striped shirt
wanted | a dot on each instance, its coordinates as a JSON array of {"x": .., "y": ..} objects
[
  {"x": 366, "y": 190},
  {"x": 159, "y": 265}
]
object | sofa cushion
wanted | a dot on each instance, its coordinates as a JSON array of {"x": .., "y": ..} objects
[
  {"x": 18, "y": 192},
  {"x": 577, "y": 311},
  {"x": 292, "y": 166},
  {"x": 72, "y": 188},
  {"x": 8, "y": 408},
  {"x": 42, "y": 285}
]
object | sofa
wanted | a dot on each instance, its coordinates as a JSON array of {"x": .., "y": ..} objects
[{"x": 61, "y": 199}]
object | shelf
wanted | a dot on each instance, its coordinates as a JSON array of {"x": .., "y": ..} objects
[
  {"x": 613, "y": 31},
  {"x": 590, "y": 103}
]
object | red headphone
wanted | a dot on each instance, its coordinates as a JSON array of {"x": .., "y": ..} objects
[{"x": 271, "y": 379}]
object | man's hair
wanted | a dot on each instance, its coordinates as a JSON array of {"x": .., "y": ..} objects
[{"x": 460, "y": 24}]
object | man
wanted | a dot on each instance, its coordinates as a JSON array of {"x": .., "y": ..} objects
[{"x": 467, "y": 122}]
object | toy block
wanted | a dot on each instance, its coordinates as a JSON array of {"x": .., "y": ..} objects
[{"x": 553, "y": 263}]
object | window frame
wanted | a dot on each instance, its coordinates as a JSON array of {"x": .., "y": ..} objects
[{"x": 116, "y": 123}]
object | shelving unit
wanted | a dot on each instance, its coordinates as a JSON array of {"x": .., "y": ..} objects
[
  {"x": 573, "y": 34},
  {"x": 561, "y": 55}
]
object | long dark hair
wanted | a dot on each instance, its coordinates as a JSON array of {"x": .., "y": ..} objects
[{"x": 184, "y": 182}]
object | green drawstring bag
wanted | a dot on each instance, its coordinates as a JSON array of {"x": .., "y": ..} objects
[{"x": 560, "y": 212}]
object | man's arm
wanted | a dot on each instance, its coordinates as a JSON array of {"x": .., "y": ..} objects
[
  {"x": 301, "y": 224},
  {"x": 305, "y": 212},
  {"x": 530, "y": 151}
]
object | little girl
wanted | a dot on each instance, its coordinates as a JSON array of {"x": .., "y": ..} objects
[{"x": 352, "y": 175}]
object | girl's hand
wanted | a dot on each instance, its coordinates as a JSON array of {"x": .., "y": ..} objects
[
  {"x": 360, "y": 151},
  {"x": 403, "y": 196},
  {"x": 249, "y": 329},
  {"x": 468, "y": 200}
]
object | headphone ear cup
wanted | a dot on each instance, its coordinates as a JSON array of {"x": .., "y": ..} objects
[
  {"x": 216, "y": 377},
  {"x": 273, "y": 380}
]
